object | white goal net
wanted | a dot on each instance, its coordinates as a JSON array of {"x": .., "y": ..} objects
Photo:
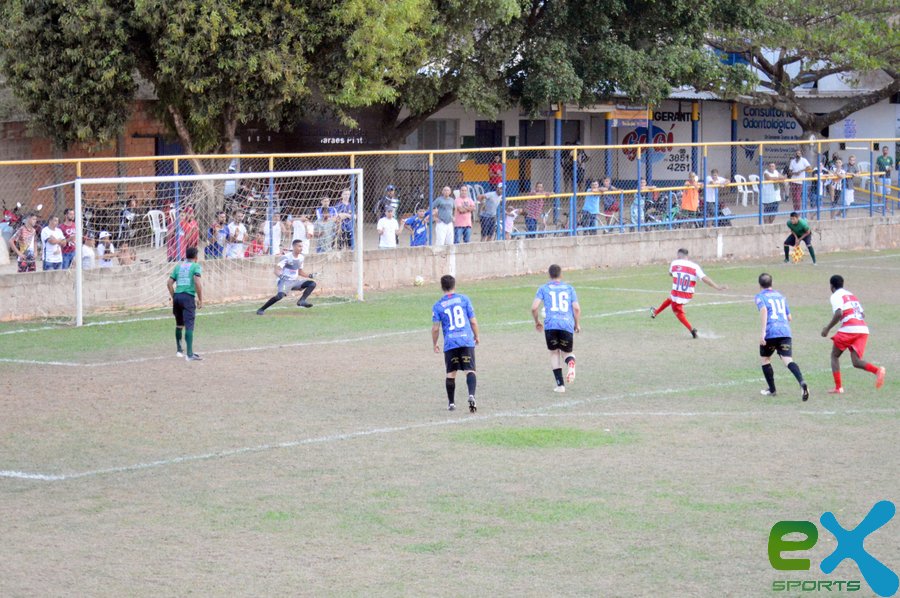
[{"x": 131, "y": 231}]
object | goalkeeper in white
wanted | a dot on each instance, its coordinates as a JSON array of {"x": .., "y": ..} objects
[{"x": 289, "y": 270}]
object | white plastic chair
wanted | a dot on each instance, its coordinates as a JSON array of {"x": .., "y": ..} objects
[
  {"x": 753, "y": 180},
  {"x": 745, "y": 195},
  {"x": 864, "y": 176},
  {"x": 157, "y": 226}
]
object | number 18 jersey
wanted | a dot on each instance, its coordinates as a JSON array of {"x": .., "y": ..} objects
[
  {"x": 777, "y": 312},
  {"x": 558, "y": 298},
  {"x": 685, "y": 275},
  {"x": 454, "y": 312}
]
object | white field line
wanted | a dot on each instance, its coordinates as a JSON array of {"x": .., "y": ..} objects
[
  {"x": 542, "y": 411},
  {"x": 660, "y": 292},
  {"x": 340, "y": 341}
]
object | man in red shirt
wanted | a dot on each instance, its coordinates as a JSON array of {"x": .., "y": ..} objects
[
  {"x": 68, "y": 229},
  {"x": 853, "y": 334}
]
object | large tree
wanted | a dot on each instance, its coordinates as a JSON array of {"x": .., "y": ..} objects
[
  {"x": 491, "y": 54},
  {"x": 795, "y": 44},
  {"x": 212, "y": 63}
]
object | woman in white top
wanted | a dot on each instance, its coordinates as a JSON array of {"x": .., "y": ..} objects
[{"x": 771, "y": 192}]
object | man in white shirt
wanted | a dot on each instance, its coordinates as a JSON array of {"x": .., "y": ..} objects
[
  {"x": 106, "y": 251},
  {"x": 88, "y": 255},
  {"x": 52, "y": 241},
  {"x": 387, "y": 230},
  {"x": 797, "y": 169},
  {"x": 300, "y": 228},
  {"x": 237, "y": 232},
  {"x": 711, "y": 194}
]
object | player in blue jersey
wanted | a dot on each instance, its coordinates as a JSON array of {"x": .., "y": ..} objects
[
  {"x": 454, "y": 315},
  {"x": 561, "y": 320},
  {"x": 775, "y": 334},
  {"x": 417, "y": 225}
]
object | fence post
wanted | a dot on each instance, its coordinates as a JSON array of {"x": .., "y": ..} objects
[
  {"x": 573, "y": 204},
  {"x": 759, "y": 184},
  {"x": 734, "y": 138},
  {"x": 430, "y": 198},
  {"x": 705, "y": 190},
  {"x": 819, "y": 181},
  {"x": 353, "y": 200},
  {"x": 557, "y": 162},
  {"x": 270, "y": 209},
  {"x": 500, "y": 226},
  {"x": 871, "y": 181},
  {"x": 79, "y": 240},
  {"x": 695, "y": 136},
  {"x": 639, "y": 198}
]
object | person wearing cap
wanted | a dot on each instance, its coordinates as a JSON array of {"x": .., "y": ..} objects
[
  {"x": 106, "y": 250},
  {"x": 490, "y": 205},
  {"x": 390, "y": 199}
]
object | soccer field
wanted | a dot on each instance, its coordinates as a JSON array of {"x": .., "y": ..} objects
[{"x": 311, "y": 452}]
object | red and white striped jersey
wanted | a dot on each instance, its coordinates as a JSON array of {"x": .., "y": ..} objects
[
  {"x": 852, "y": 318},
  {"x": 685, "y": 275}
]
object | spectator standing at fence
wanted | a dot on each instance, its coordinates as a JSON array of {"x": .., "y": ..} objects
[
  {"x": 237, "y": 234},
  {"x": 611, "y": 201},
  {"x": 495, "y": 171},
  {"x": 534, "y": 208},
  {"x": 325, "y": 206},
  {"x": 462, "y": 216},
  {"x": 771, "y": 194},
  {"x": 387, "y": 230},
  {"x": 417, "y": 225},
  {"x": 690, "y": 197},
  {"x": 591, "y": 209},
  {"x": 191, "y": 229},
  {"x": 106, "y": 250},
  {"x": 216, "y": 237},
  {"x": 714, "y": 182},
  {"x": 390, "y": 199},
  {"x": 88, "y": 253},
  {"x": 302, "y": 229},
  {"x": 885, "y": 165},
  {"x": 22, "y": 243},
  {"x": 325, "y": 231},
  {"x": 443, "y": 217},
  {"x": 127, "y": 256},
  {"x": 836, "y": 184},
  {"x": 52, "y": 241},
  {"x": 126, "y": 219},
  {"x": 490, "y": 206},
  {"x": 257, "y": 246},
  {"x": 344, "y": 215},
  {"x": 852, "y": 172},
  {"x": 68, "y": 230},
  {"x": 638, "y": 207},
  {"x": 798, "y": 167}
]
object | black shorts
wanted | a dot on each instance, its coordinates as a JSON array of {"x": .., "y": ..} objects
[
  {"x": 781, "y": 345},
  {"x": 488, "y": 226},
  {"x": 185, "y": 308},
  {"x": 460, "y": 358},
  {"x": 559, "y": 339},
  {"x": 790, "y": 240}
]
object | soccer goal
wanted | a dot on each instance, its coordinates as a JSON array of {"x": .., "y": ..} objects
[{"x": 131, "y": 231}]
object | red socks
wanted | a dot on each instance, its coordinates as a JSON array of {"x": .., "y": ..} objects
[
  {"x": 871, "y": 368},
  {"x": 837, "y": 379}
]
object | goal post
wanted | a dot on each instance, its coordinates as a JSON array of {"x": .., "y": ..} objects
[{"x": 280, "y": 206}]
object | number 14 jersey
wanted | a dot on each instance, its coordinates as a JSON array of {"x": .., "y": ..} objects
[
  {"x": 558, "y": 298},
  {"x": 685, "y": 275},
  {"x": 454, "y": 312},
  {"x": 777, "y": 312}
]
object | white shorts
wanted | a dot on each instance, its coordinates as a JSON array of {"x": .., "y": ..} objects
[{"x": 443, "y": 233}]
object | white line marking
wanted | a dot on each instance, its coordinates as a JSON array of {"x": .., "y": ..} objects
[
  {"x": 658, "y": 292},
  {"x": 541, "y": 411},
  {"x": 340, "y": 341}
]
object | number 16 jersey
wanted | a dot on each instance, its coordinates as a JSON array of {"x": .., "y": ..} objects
[
  {"x": 454, "y": 312},
  {"x": 685, "y": 275},
  {"x": 558, "y": 298}
]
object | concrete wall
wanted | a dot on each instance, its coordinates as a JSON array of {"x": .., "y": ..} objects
[{"x": 45, "y": 294}]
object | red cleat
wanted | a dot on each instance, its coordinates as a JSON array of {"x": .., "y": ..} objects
[
  {"x": 836, "y": 391},
  {"x": 879, "y": 377}
]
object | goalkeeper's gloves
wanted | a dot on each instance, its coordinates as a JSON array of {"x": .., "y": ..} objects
[{"x": 312, "y": 275}]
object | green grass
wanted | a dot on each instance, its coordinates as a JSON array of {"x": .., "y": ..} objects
[{"x": 544, "y": 438}]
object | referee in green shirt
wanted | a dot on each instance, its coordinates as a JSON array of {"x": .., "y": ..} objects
[
  {"x": 185, "y": 288},
  {"x": 800, "y": 231}
]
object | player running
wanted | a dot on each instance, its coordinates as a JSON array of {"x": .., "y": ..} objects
[
  {"x": 800, "y": 231},
  {"x": 289, "y": 269},
  {"x": 852, "y": 334},
  {"x": 454, "y": 315},
  {"x": 685, "y": 275},
  {"x": 184, "y": 286},
  {"x": 775, "y": 335},
  {"x": 561, "y": 320}
]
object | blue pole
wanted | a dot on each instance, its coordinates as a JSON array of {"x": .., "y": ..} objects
[
  {"x": 705, "y": 190},
  {"x": 734, "y": 138},
  {"x": 639, "y": 198},
  {"x": 871, "y": 181},
  {"x": 818, "y": 183},
  {"x": 573, "y": 204},
  {"x": 669, "y": 213},
  {"x": 270, "y": 214},
  {"x": 695, "y": 136},
  {"x": 607, "y": 140},
  {"x": 621, "y": 213},
  {"x": 759, "y": 184},
  {"x": 430, "y": 196},
  {"x": 501, "y": 215}
]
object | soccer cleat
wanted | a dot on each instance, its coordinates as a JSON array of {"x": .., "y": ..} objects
[
  {"x": 451, "y": 407},
  {"x": 570, "y": 375},
  {"x": 194, "y": 357},
  {"x": 694, "y": 332},
  {"x": 805, "y": 388},
  {"x": 304, "y": 303},
  {"x": 652, "y": 313},
  {"x": 836, "y": 391},
  {"x": 560, "y": 388},
  {"x": 179, "y": 353},
  {"x": 767, "y": 393},
  {"x": 786, "y": 260},
  {"x": 879, "y": 377},
  {"x": 472, "y": 407},
  {"x": 260, "y": 312}
]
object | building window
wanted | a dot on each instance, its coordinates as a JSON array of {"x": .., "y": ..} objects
[{"x": 434, "y": 134}]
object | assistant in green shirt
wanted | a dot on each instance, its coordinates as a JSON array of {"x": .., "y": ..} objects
[
  {"x": 800, "y": 231},
  {"x": 183, "y": 275}
]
